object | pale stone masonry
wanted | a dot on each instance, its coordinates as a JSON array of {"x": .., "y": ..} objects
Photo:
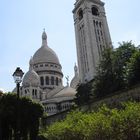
[
  {"x": 92, "y": 36},
  {"x": 44, "y": 80}
]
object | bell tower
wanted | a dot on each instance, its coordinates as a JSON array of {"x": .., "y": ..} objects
[{"x": 92, "y": 36}]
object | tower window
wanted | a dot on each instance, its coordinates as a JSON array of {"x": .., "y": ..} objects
[
  {"x": 33, "y": 92},
  {"x": 25, "y": 91},
  {"x": 60, "y": 81},
  {"x": 95, "y": 11},
  {"x": 57, "y": 81},
  {"x": 80, "y": 14},
  {"x": 47, "y": 80},
  {"x": 52, "y": 80},
  {"x": 100, "y": 24},
  {"x": 42, "y": 81}
]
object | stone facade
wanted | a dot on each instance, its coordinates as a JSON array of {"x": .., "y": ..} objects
[
  {"x": 43, "y": 82},
  {"x": 92, "y": 36}
]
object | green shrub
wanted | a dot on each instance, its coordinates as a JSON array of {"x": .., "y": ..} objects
[{"x": 105, "y": 124}]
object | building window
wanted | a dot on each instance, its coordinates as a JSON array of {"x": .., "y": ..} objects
[
  {"x": 25, "y": 91},
  {"x": 47, "y": 80},
  {"x": 52, "y": 80},
  {"x": 95, "y": 11},
  {"x": 41, "y": 65},
  {"x": 42, "y": 81},
  {"x": 35, "y": 93},
  {"x": 80, "y": 14},
  {"x": 60, "y": 81},
  {"x": 57, "y": 81}
]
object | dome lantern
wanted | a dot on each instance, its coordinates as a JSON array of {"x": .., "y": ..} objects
[
  {"x": 44, "y": 39},
  {"x": 31, "y": 64}
]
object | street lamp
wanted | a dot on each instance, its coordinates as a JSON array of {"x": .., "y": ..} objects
[{"x": 18, "y": 74}]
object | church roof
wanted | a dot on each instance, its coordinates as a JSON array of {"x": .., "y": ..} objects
[{"x": 66, "y": 92}]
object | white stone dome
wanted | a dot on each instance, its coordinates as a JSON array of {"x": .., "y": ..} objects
[
  {"x": 31, "y": 78},
  {"x": 45, "y": 54}
]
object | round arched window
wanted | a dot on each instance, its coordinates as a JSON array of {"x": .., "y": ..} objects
[
  {"x": 80, "y": 14},
  {"x": 52, "y": 80},
  {"x": 42, "y": 81},
  {"x": 57, "y": 81},
  {"x": 95, "y": 11},
  {"x": 47, "y": 80}
]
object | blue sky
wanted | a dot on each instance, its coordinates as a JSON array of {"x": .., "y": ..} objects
[{"x": 22, "y": 23}]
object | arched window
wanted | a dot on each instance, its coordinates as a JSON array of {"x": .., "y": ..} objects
[
  {"x": 33, "y": 92},
  {"x": 52, "y": 80},
  {"x": 36, "y": 93},
  {"x": 47, "y": 80},
  {"x": 57, "y": 81},
  {"x": 42, "y": 81},
  {"x": 80, "y": 14},
  {"x": 25, "y": 91},
  {"x": 95, "y": 11},
  {"x": 60, "y": 81}
]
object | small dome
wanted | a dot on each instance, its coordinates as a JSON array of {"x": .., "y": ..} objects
[
  {"x": 45, "y": 54},
  {"x": 75, "y": 80},
  {"x": 31, "y": 78}
]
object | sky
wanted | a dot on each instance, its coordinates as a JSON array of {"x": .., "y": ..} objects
[{"x": 22, "y": 23}]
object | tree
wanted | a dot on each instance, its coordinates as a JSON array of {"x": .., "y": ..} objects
[
  {"x": 104, "y": 81},
  {"x": 19, "y": 117},
  {"x": 110, "y": 76},
  {"x": 122, "y": 56},
  {"x": 83, "y": 94},
  {"x": 133, "y": 69},
  {"x": 104, "y": 124}
]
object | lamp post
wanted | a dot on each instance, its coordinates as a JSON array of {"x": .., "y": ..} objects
[{"x": 18, "y": 74}]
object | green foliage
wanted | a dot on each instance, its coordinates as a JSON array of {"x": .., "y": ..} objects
[
  {"x": 41, "y": 137},
  {"x": 105, "y": 124},
  {"x": 104, "y": 79},
  {"x": 83, "y": 94},
  {"x": 133, "y": 69},
  {"x": 111, "y": 72},
  {"x": 19, "y": 117}
]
